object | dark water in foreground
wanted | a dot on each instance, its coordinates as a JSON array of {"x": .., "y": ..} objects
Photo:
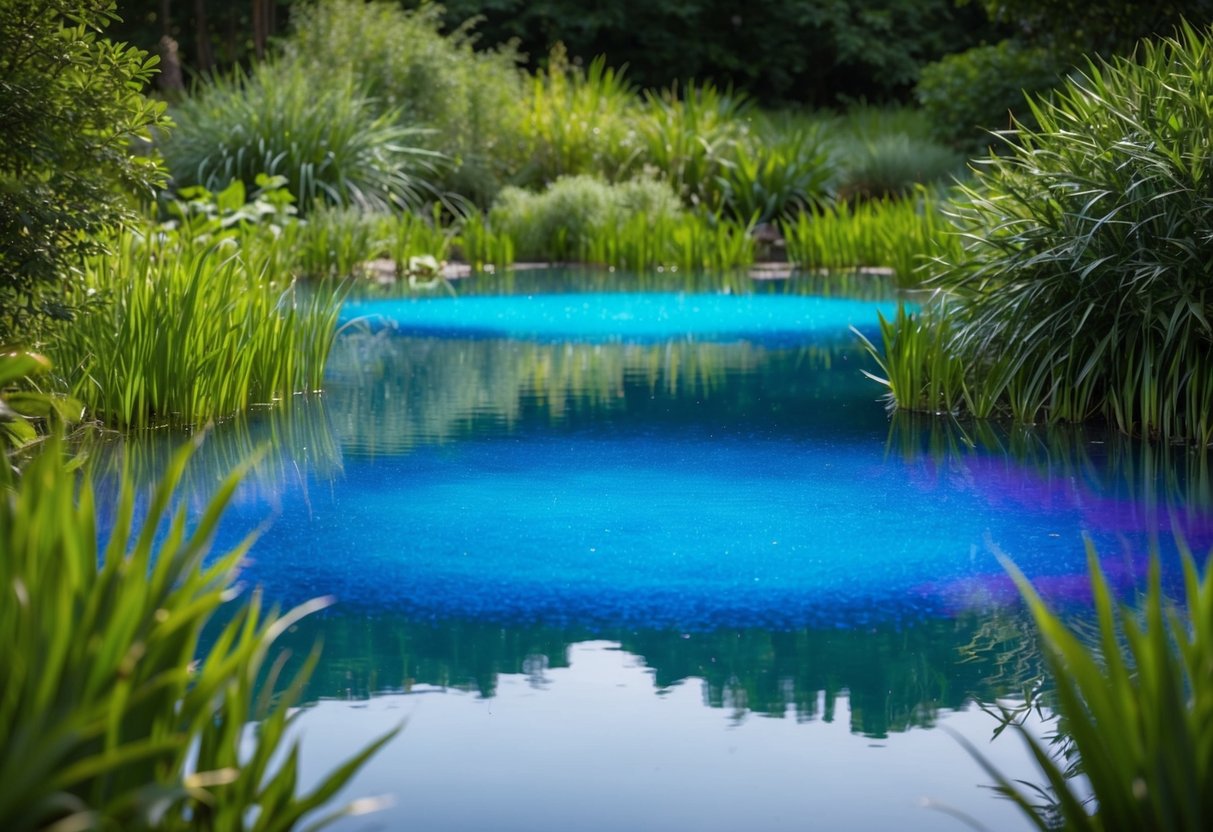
[{"x": 660, "y": 562}]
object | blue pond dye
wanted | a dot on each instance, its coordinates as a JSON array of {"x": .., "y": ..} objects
[
  {"x": 621, "y": 316},
  {"x": 597, "y": 487}
]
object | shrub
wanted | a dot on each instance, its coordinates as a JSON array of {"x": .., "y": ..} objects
[
  {"x": 1086, "y": 283},
  {"x": 559, "y": 223},
  {"x": 1136, "y": 708},
  {"x": 984, "y": 89},
  {"x": 891, "y": 165},
  {"x": 72, "y": 104},
  {"x": 319, "y": 132},
  {"x": 470, "y": 101},
  {"x": 114, "y": 714},
  {"x": 776, "y": 175}
]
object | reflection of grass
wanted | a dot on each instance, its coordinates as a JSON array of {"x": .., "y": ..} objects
[
  {"x": 290, "y": 442},
  {"x": 388, "y": 393}
]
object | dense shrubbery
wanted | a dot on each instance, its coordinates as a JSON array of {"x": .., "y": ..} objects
[
  {"x": 1085, "y": 288},
  {"x": 983, "y": 89},
  {"x": 72, "y": 103}
]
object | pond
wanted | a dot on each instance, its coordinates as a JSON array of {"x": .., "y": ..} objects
[{"x": 650, "y": 560}]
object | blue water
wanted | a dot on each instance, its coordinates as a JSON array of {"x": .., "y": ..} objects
[
  {"x": 621, "y": 316},
  {"x": 584, "y": 540}
]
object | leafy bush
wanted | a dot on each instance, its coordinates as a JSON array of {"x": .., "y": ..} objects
[
  {"x": 115, "y": 716},
  {"x": 319, "y": 132},
  {"x": 72, "y": 104},
  {"x": 983, "y": 89},
  {"x": 559, "y": 223},
  {"x": 1137, "y": 708},
  {"x": 470, "y": 101},
  {"x": 1086, "y": 284},
  {"x": 891, "y": 165}
]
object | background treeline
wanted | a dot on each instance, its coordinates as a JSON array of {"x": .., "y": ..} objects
[{"x": 819, "y": 52}]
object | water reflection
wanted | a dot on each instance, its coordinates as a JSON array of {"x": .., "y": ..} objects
[{"x": 895, "y": 678}]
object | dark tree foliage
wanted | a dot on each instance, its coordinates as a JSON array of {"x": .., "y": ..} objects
[
  {"x": 1108, "y": 27},
  {"x": 71, "y": 104},
  {"x": 815, "y": 51}
]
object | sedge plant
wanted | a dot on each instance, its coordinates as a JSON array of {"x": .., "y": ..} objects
[
  {"x": 1136, "y": 709},
  {"x": 116, "y": 711}
]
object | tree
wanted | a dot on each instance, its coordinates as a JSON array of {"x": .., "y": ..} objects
[{"x": 72, "y": 108}]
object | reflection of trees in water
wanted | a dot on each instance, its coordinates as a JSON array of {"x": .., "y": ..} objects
[
  {"x": 388, "y": 393},
  {"x": 895, "y": 678}
]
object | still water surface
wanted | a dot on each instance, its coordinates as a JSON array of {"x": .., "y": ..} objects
[{"x": 663, "y": 561}]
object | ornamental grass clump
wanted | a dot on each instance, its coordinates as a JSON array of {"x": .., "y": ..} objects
[
  {"x": 1086, "y": 282},
  {"x": 184, "y": 332},
  {"x": 331, "y": 143},
  {"x": 116, "y": 712},
  {"x": 1136, "y": 710}
]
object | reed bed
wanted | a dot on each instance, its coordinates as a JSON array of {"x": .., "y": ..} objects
[{"x": 183, "y": 333}]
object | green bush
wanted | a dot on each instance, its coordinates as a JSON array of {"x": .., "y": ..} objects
[
  {"x": 983, "y": 89},
  {"x": 320, "y": 132},
  {"x": 471, "y": 101},
  {"x": 892, "y": 165},
  {"x": 114, "y": 713},
  {"x": 1136, "y": 708},
  {"x": 559, "y": 223},
  {"x": 72, "y": 105},
  {"x": 1086, "y": 284},
  {"x": 776, "y": 174}
]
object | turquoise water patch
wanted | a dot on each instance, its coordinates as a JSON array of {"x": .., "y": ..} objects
[{"x": 623, "y": 316}]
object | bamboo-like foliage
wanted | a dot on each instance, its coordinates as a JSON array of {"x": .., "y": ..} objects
[
  {"x": 1137, "y": 709},
  {"x": 110, "y": 716},
  {"x": 186, "y": 333},
  {"x": 1086, "y": 285},
  {"x": 776, "y": 174}
]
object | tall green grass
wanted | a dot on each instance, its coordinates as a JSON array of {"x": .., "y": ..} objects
[
  {"x": 901, "y": 234},
  {"x": 1085, "y": 287},
  {"x": 776, "y": 174},
  {"x": 576, "y": 121},
  {"x": 114, "y": 713},
  {"x": 689, "y": 135},
  {"x": 1136, "y": 709},
  {"x": 185, "y": 333}
]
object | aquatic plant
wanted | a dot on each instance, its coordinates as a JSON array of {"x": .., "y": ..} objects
[
  {"x": 776, "y": 174},
  {"x": 483, "y": 247},
  {"x": 116, "y": 714},
  {"x": 900, "y": 234},
  {"x": 920, "y": 373},
  {"x": 1136, "y": 709},
  {"x": 1084, "y": 287},
  {"x": 185, "y": 332},
  {"x": 319, "y": 132}
]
